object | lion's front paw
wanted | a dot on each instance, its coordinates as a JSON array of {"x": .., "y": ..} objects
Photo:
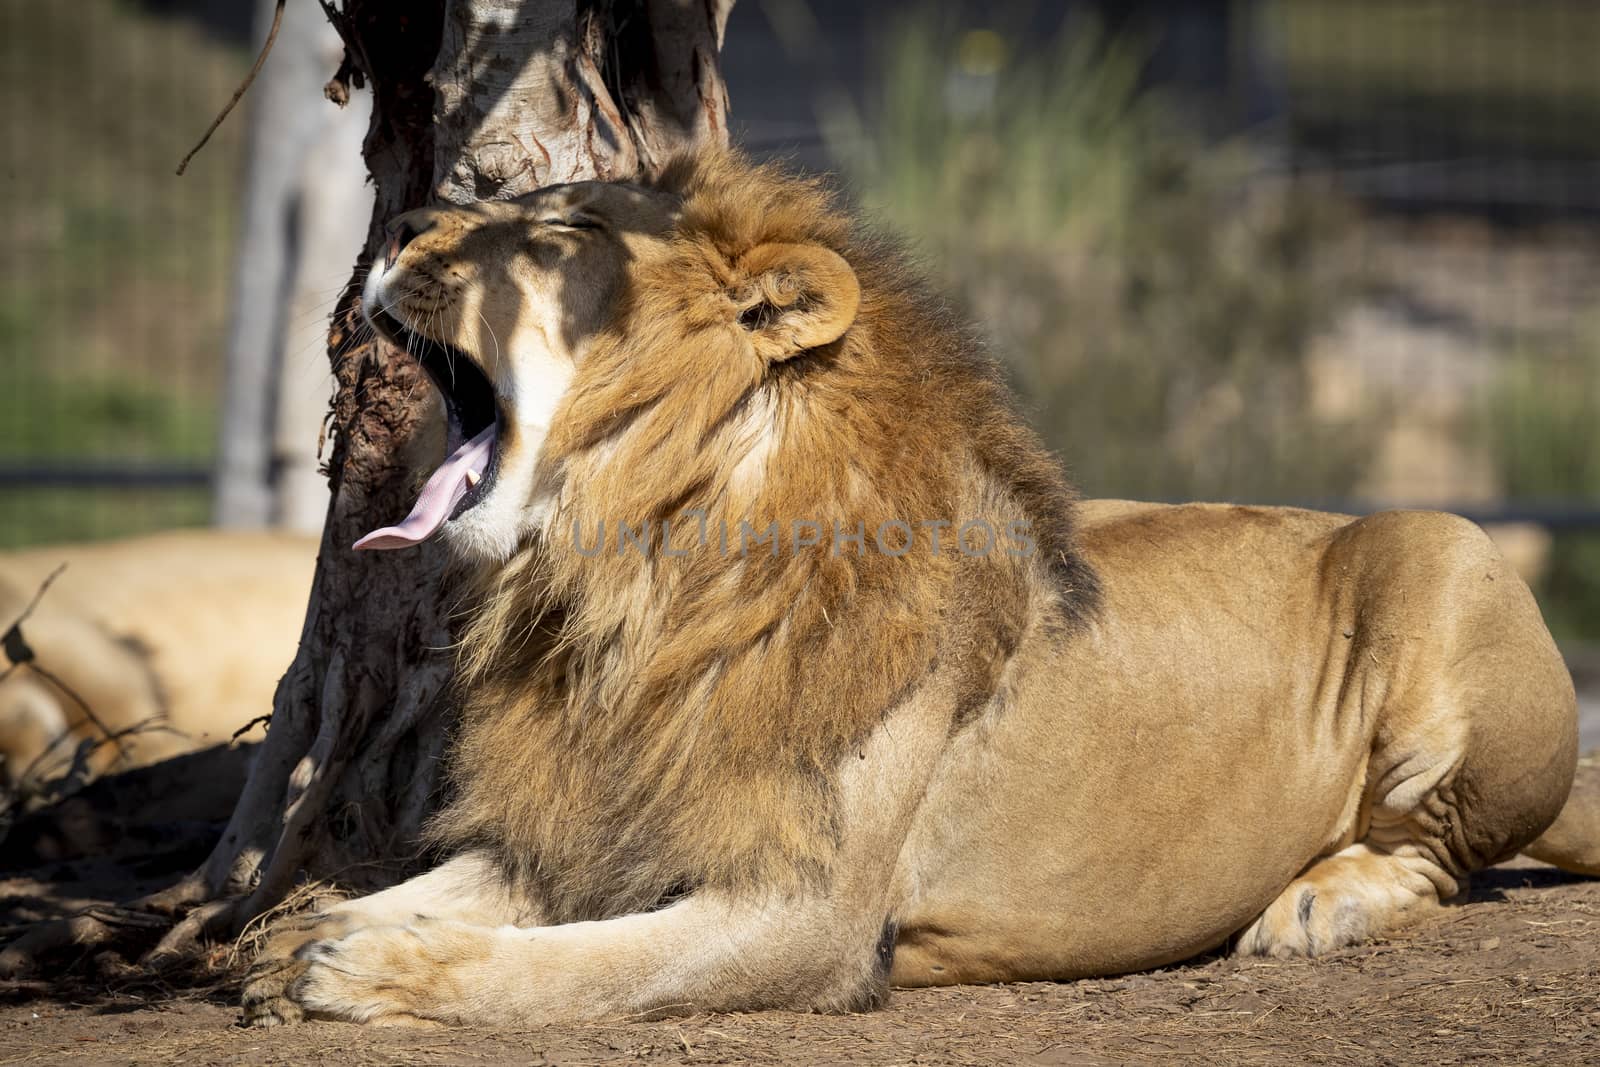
[
  {"x": 266, "y": 999},
  {"x": 390, "y": 975},
  {"x": 266, "y": 993}
]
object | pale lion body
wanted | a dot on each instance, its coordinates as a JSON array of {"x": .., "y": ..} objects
[
  {"x": 731, "y": 782},
  {"x": 1263, "y": 689},
  {"x": 179, "y": 636}
]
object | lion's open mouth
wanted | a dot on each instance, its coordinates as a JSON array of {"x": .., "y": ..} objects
[{"x": 471, "y": 418}]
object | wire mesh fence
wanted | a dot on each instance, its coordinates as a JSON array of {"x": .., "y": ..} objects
[{"x": 113, "y": 273}]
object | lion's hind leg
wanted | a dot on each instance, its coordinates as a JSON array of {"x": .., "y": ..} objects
[
  {"x": 1472, "y": 727},
  {"x": 1408, "y": 857}
]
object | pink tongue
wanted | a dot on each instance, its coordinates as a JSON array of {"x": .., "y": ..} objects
[{"x": 438, "y": 498}]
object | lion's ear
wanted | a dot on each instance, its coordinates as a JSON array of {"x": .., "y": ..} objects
[{"x": 795, "y": 297}]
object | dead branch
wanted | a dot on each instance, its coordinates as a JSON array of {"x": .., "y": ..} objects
[
  {"x": 21, "y": 654},
  {"x": 238, "y": 94},
  {"x": 16, "y": 649},
  {"x": 259, "y": 720},
  {"x": 88, "y": 712},
  {"x": 77, "y": 773}
]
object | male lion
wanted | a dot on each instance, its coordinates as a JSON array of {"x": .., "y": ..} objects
[{"x": 707, "y": 762}]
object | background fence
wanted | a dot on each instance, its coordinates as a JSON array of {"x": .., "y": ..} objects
[{"x": 1329, "y": 251}]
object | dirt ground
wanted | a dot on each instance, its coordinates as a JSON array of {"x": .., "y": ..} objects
[{"x": 1511, "y": 976}]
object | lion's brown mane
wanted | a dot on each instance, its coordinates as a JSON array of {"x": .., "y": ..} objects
[{"x": 636, "y": 726}]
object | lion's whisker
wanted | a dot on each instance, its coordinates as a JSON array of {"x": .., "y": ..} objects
[{"x": 492, "y": 336}]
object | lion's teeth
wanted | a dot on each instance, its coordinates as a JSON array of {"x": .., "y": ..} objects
[{"x": 473, "y": 477}]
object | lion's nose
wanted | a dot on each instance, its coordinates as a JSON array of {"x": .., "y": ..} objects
[{"x": 402, "y": 230}]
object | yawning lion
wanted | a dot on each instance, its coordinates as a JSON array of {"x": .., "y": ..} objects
[{"x": 795, "y": 672}]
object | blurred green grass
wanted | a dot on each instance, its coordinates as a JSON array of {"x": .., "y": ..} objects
[
  {"x": 111, "y": 416},
  {"x": 1158, "y": 295},
  {"x": 54, "y": 515},
  {"x": 113, "y": 272},
  {"x": 1155, "y": 296}
]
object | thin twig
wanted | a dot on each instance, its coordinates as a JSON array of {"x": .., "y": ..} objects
[
  {"x": 43, "y": 757},
  {"x": 238, "y": 94},
  {"x": 257, "y": 721},
  {"x": 114, "y": 737},
  {"x": 19, "y": 653},
  {"x": 16, "y": 649},
  {"x": 56, "y": 788}
]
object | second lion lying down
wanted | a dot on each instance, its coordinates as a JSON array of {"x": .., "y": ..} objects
[{"x": 796, "y": 672}]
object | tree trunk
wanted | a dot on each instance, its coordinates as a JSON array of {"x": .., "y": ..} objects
[
  {"x": 303, "y": 220},
  {"x": 329, "y": 213},
  {"x": 527, "y": 93}
]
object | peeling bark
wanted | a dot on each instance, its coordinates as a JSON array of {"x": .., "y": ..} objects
[{"x": 534, "y": 94}]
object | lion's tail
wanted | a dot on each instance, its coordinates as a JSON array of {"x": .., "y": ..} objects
[{"x": 1573, "y": 840}]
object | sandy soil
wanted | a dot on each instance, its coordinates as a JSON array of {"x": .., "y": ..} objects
[{"x": 1511, "y": 976}]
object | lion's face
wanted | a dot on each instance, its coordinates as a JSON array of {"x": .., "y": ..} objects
[
  {"x": 499, "y": 301},
  {"x": 502, "y": 302}
]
